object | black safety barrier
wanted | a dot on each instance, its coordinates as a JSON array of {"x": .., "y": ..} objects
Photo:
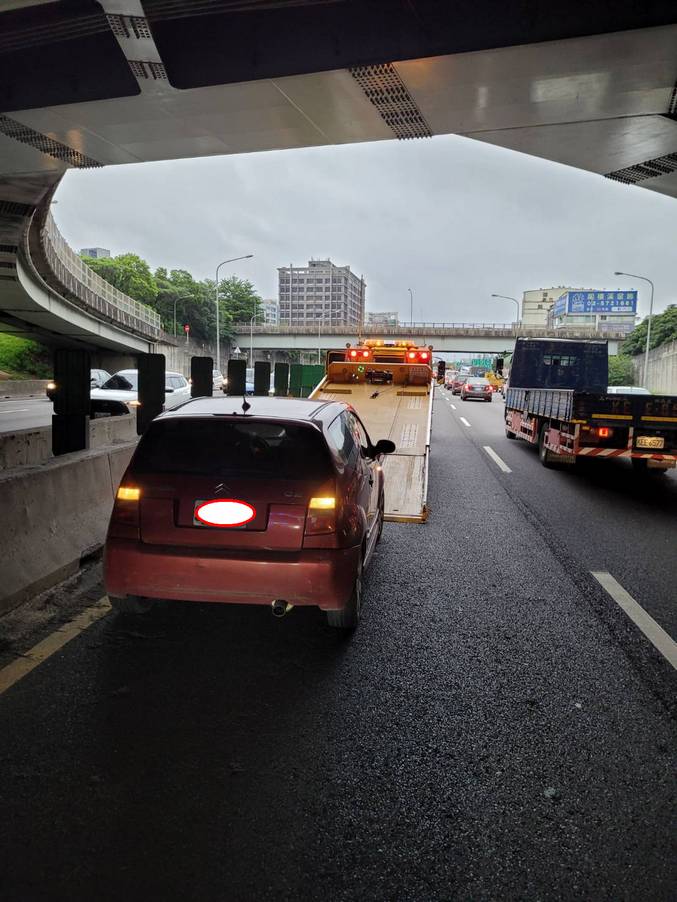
[
  {"x": 281, "y": 380},
  {"x": 151, "y": 394},
  {"x": 262, "y": 377},
  {"x": 237, "y": 377},
  {"x": 70, "y": 422},
  {"x": 201, "y": 377}
]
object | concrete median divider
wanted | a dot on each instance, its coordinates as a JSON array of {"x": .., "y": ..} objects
[
  {"x": 29, "y": 447},
  {"x": 23, "y": 388},
  {"x": 54, "y": 515}
]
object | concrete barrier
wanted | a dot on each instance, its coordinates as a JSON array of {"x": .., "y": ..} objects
[
  {"x": 53, "y": 516},
  {"x": 29, "y": 447},
  {"x": 23, "y": 388}
]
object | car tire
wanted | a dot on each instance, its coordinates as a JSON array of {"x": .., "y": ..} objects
[
  {"x": 347, "y": 618},
  {"x": 490, "y": 400},
  {"x": 463, "y": 398},
  {"x": 381, "y": 516},
  {"x": 131, "y": 604}
]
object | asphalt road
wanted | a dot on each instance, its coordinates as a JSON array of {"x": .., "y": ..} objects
[
  {"x": 496, "y": 729},
  {"x": 25, "y": 413}
]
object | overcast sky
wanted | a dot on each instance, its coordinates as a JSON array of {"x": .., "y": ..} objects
[{"x": 451, "y": 218}]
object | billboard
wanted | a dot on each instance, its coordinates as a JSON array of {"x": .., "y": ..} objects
[{"x": 595, "y": 302}]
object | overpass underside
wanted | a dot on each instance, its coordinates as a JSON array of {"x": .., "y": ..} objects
[{"x": 86, "y": 84}]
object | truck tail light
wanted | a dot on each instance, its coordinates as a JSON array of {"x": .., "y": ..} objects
[
  {"x": 424, "y": 355},
  {"x": 124, "y": 521},
  {"x": 411, "y": 355},
  {"x": 604, "y": 432},
  {"x": 365, "y": 354}
]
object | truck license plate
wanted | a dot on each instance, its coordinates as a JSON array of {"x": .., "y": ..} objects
[{"x": 650, "y": 441}]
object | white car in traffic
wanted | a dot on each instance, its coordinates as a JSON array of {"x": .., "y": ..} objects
[{"x": 120, "y": 393}]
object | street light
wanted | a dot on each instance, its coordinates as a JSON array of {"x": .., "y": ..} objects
[
  {"x": 411, "y": 308},
  {"x": 218, "y": 339},
  {"x": 632, "y": 275},
  {"x": 506, "y": 297}
]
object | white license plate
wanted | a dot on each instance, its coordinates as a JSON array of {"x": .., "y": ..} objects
[{"x": 650, "y": 441}]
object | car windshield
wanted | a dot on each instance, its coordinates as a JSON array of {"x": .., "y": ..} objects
[
  {"x": 122, "y": 382},
  {"x": 233, "y": 447}
]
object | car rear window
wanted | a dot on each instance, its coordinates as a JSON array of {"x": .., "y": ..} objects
[
  {"x": 244, "y": 447},
  {"x": 120, "y": 382}
]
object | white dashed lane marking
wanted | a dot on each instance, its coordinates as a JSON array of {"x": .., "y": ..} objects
[
  {"x": 501, "y": 464},
  {"x": 464, "y": 421},
  {"x": 660, "y": 640}
]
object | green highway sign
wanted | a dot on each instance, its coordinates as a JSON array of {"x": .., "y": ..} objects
[{"x": 481, "y": 361}]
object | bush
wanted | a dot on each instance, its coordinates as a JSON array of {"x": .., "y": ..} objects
[
  {"x": 621, "y": 370},
  {"x": 24, "y": 359}
]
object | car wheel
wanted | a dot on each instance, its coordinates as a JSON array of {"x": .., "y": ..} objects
[
  {"x": 490, "y": 400},
  {"x": 381, "y": 519},
  {"x": 131, "y": 604},
  {"x": 348, "y": 618}
]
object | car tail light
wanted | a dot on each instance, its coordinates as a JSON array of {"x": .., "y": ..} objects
[
  {"x": 124, "y": 521},
  {"x": 321, "y": 517}
]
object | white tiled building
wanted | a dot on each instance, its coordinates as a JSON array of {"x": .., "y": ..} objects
[{"x": 320, "y": 291}]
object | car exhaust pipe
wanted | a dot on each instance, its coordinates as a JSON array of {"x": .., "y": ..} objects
[{"x": 280, "y": 608}]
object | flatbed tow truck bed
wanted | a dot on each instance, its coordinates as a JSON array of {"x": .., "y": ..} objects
[{"x": 401, "y": 413}]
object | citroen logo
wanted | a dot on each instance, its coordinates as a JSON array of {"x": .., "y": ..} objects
[{"x": 221, "y": 489}]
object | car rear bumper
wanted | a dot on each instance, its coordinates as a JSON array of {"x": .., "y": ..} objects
[{"x": 310, "y": 577}]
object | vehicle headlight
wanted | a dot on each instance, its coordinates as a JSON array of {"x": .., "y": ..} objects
[
  {"x": 51, "y": 386},
  {"x": 134, "y": 403}
]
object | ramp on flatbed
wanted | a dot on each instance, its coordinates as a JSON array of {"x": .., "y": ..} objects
[{"x": 400, "y": 413}]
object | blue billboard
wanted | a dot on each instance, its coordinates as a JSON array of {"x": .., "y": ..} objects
[{"x": 594, "y": 302}]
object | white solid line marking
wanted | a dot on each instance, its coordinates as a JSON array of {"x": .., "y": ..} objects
[
  {"x": 464, "y": 421},
  {"x": 15, "y": 410},
  {"x": 653, "y": 632},
  {"x": 496, "y": 459},
  {"x": 28, "y": 661},
  {"x": 453, "y": 406}
]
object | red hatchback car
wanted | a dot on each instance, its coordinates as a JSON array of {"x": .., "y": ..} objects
[{"x": 278, "y": 504}]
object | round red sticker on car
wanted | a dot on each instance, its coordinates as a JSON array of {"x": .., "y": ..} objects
[{"x": 224, "y": 512}]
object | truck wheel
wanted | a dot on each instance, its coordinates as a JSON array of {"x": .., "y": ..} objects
[
  {"x": 130, "y": 604},
  {"x": 509, "y": 433},
  {"x": 546, "y": 457},
  {"x": 348, "y": 618}
]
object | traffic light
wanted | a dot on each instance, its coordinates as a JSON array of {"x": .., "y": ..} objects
[
  {"x": 441, "y": 368},
  {"x": 498, "y": 366}
]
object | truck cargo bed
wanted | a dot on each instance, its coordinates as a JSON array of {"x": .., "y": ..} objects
[
  {"x": 592, "y": 408},
  {"x": 401, "y": 414}
]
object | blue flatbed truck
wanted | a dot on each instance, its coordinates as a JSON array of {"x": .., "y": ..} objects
[{"x": 558, "y": 400}]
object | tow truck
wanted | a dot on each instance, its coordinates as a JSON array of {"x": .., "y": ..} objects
[
  {"x": 558, "y": 400},
  {"x": 389, "y": 384}
]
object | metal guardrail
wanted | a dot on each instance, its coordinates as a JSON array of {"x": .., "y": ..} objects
[
  {"x": 91, "y": 289},
  {"x": 503, "y": 330}
]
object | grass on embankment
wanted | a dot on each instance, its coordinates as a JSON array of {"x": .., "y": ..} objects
[{"x": 21, "y": 358}]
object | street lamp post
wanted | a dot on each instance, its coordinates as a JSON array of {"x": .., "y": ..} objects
[
  {"x": 411, "y": 308},
  {"x": 632, "y": 275},
  {"x": 218, "y": 337},
  {"x": 251, "y": 339},
  {"x": 184, "y": 297},
  {"x": 506, "y": 297}
]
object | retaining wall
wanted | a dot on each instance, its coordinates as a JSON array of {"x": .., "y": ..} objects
[
  {"x": 54, "y": 515},
  {"x": 662, "y": 369}
]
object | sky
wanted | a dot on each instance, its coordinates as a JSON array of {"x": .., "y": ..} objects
[{"x": 451, "y": 218}]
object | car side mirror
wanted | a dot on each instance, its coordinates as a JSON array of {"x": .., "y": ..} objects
[{"x": 384, "y": 446}]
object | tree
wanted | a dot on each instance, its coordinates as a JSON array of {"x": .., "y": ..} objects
[
  {"x": 663, "y": 329},
  {"x": 621, "y": 370},
  {"x": 238, "y": 302},
  {"x": 194, "y": 304},
  {"x": 129, "y": 274}
]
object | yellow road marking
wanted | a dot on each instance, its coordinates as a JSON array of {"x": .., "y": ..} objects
[
  {"x": 611, "y": 416},
  {"x": 23, "y": 665}
]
